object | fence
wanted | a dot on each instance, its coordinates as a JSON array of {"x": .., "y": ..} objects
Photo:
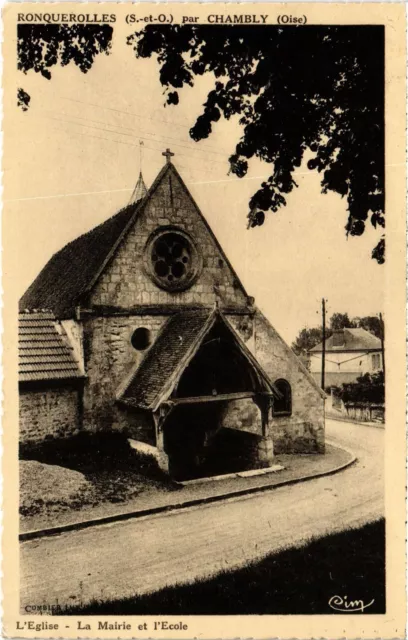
[{"x": 362, "y": 411}]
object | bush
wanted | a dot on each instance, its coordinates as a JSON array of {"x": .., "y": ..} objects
[{"x": 367, "y": 389}]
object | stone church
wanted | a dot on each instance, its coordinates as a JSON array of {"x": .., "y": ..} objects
[{"x": 142, "y": 325}]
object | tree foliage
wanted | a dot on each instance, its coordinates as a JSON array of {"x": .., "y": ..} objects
[
  {"x": 368, "y": 389},
  {"x": 307, "y": 339},
  {"x": 371, "y": 324},
  {"x": 317, "y": 88},
  {"x": 23, "y": 99},
  {"x": 42, "y": 46},
  {"x": 340, "y": 321}
]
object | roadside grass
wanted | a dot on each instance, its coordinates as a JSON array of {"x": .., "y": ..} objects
[
  {"x": 350, "y": 564},
  {"x": 50, "y": 487},
  {"x": 111, "y": 469}
]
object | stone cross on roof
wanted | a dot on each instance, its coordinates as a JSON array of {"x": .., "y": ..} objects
[{"x": 168, "y": 155}]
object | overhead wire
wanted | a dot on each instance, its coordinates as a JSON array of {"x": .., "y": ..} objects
[
  {"x": 361, "y": 355},
  {"x": 144, "y": 137},
  {"x": 133, "y": 144},
  {"x": 81, "y": 133},
  {"x": 78, "y": 124},
  {"x": 134, "y": 115},
  {"x": 90, "y": 135}
]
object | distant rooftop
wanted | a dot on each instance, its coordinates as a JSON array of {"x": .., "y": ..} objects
[{"x": 350, "y": 340}]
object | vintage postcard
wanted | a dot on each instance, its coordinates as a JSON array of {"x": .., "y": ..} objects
[{"x": 204, "y": 320}]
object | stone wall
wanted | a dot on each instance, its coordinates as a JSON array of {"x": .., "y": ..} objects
[
  {"x": 125, "y": 282},
  {"x": 136, "y": 424},
  {"x": 303, "y": 431},
  {"x": 109, "y": 360},
  {"x": 242, "y": 415},
  {"x": 48, "y": 413},
  {"x": 243, "y": 451},
  {"x": 365, "y": 413}
]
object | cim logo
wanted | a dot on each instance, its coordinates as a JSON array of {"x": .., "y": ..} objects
[{"x": 342, "y": 604}]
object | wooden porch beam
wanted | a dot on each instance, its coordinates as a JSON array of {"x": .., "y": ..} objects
[{"x": 217, "y": 398}]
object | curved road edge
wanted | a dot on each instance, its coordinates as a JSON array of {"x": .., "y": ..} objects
[{"x": 54, "y": 531}]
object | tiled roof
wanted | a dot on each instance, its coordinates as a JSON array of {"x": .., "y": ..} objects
[
  {"x": 178, "y": 341},
  {"x": 354, "y": 340},
  {"x": 69, "y": 272},
  {"x": 44, "y": 351},
  {"x": 174, "y": 342}
]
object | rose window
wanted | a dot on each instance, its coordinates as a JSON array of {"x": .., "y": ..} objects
[{"x": 173, "y": 260}]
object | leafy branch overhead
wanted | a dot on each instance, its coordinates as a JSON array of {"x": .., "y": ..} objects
[
  {"x": 293, "y": 89},
  {"x": 42, "y": 46},
  {"x": 23, "y": 99}
]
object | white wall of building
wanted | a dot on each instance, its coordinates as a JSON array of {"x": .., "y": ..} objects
[{"x": 347, "y": 362}]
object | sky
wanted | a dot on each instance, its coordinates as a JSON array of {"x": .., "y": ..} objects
[{"x": 76, "y": 157}]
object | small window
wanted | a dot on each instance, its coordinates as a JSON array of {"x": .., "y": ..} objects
[
  {"x": 283, "y": 406},
  {"x": 141, "y": 339},
  {"x": 376, "y": 361}
]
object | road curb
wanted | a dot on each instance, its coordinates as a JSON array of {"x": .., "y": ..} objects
[{"x": 77, "y": 526}]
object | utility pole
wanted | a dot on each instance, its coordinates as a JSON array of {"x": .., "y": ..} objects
[
  {"x": 324, "y": 340},
  {"x": 382, "y": 344}
]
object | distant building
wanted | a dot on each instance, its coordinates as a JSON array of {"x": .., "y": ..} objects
[{"x": 350, "y": 353}]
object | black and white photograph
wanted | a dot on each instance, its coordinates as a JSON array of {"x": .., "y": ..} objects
[{"x": 207, "y": 307}]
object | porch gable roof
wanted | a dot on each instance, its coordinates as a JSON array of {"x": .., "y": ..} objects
[{"x": 152, "y": 382}]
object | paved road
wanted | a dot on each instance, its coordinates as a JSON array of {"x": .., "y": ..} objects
[{"x": 118, "y": 560}]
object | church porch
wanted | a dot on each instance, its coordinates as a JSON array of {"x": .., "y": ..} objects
[
  {"x": 203, "y": 436},
  {"x": 211, "y": 402}
]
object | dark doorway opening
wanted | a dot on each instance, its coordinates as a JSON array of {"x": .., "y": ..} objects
[
  {"x": 219, "y": 367},
  {"x": 199, "y": 446},
  {"x": 198, "y": 439}
]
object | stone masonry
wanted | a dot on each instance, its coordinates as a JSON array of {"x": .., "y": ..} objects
[
  {"x": 109, "y": 358},
  {"x": 48, "y": 413},
  {"x": 303, "y": 431},
  {"x": 125, "y": 281}
]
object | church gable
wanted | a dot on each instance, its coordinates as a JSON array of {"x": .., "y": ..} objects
[{"x": 168, "y": 256}]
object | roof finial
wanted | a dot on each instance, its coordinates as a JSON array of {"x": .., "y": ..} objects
[
  {"x": 141, "y": 144},
  {"x": 168, "y": 154}
]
